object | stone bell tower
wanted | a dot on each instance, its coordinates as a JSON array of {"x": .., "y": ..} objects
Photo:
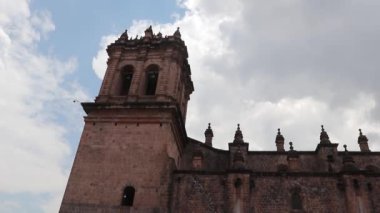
[{"x": 134, "y": 133}]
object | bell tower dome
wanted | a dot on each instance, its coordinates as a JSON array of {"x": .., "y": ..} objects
[{"x": 134, "y": 133}]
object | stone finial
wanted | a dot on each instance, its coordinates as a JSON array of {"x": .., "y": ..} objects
[
  {"x": 123, "y": 38},
  {"x": 280, "y": 141},
  {"x": 149, "y": 32},
  {"x": 361, "y": 136},
  {"x": 324, "y": 136},
  {"x": 209, "y": 130},
  {"x": 363, "y": 142},
  {"x": 279, "y": 136},
  {"x": 209, "y": 135},
  {"x": 292, "y": 153},
  {"x": 348, "y": 161},
  {"x": 345, "y": 149},
  {"x": 177, "y": 33},
  {"x": 293, "y": 158},
  {"x": 159, "y": 35},
  {"x": 238, "y": 135},
  {"x": 125, "y": 34},
  {"x": 149, "y": 29}
]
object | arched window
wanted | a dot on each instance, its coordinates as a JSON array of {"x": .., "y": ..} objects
[
  {"x": 128, "y": 196},
  {"x": 151, "y": 80},
  {"x": 296, "y": 200},
  {"x": 126, "y": 79}
]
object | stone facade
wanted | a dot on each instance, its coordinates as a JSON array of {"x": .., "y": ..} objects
[{"x": 134, "y": 154}]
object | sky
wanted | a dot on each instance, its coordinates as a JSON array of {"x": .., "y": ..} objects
[{"x": 266, "y": 64}]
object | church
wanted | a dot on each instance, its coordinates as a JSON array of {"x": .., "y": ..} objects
[{"x": 134, "y": 153}]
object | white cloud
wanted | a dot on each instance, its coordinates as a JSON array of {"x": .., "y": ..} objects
[
  {"x": 35, "y": 102},
  {"x": 99, "y": 64},
  {"x": 288, "y": 64}
]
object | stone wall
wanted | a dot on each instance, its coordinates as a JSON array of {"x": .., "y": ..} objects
[
  {"x": 116, "y": 153},
  {"x": 219, "y": 192}
]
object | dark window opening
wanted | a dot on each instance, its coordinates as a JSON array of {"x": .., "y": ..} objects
[
  {"x": 356, "y": 183},
  {"x": 296, "y": 201},
  {"x": 369, "y": 186},
  {"x": 238, "y": 183},
  {"x": 151, "y": 80},
  {"x": 330, "y": 158},
  {"x": 128, "y": 196},
  {"x": 126, "y": 76},
  {"x": 127, "y": 79}
]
